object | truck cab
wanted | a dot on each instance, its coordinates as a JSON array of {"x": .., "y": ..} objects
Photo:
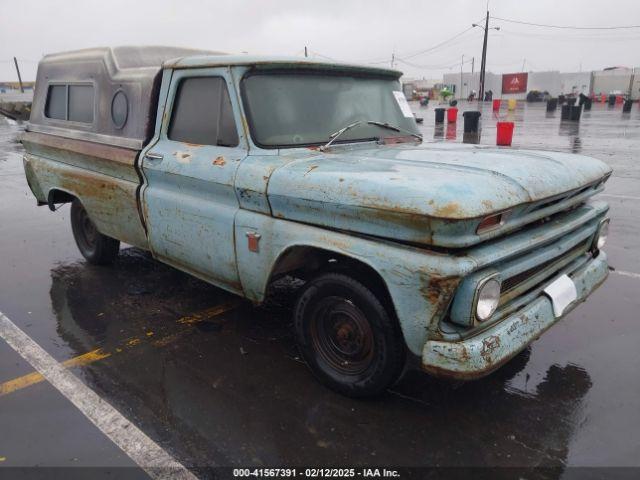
[{"x": 241, "y": 170}]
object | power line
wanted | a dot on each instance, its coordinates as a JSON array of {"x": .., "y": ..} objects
[
  {"x": 442, "y": 66},
  {"x": 569, "y": 27},
  {"x": 437, "y": 46}
]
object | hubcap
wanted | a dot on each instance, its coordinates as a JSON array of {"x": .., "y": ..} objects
[{"x": 342, "y": 336}]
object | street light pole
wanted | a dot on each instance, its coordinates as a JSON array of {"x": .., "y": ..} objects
[
  {"x": 484, "y": 58},
  {"x": 484, "y": 54},
  {"x": 461, "y": 64}
]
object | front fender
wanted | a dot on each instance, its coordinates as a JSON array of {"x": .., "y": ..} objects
[{"x": 420, "y": 282}]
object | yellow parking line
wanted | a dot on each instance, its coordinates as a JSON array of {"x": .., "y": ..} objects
[{"x": 33, "y": 378}]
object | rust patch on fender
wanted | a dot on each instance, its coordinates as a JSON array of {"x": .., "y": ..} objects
[
  {"x": 437, "y": 288},
  {"x": 219, "y": 161}
]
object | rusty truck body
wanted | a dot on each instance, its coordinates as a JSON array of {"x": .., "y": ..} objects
[{"x": 241, "y": 170}]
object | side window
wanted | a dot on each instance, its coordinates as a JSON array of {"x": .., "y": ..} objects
[
  {"x": 202, "y": 113},
  {"x": 56, "y": 106},
  {"x": 70, "y": 102},
  {"x": 81, "y": 103}
]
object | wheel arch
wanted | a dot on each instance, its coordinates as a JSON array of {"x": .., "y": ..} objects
[
  {"x": 59, "y": 195},
  {"x": 308, "y": 261}
]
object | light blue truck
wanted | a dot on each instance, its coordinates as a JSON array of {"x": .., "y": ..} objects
[{"x": 241, "y": 170}]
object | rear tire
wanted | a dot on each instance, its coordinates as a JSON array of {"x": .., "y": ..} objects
[
  {"x": 349, "y": 340},
  {"x": 97, "y": 248}
]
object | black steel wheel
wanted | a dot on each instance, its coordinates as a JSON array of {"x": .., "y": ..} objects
[
  {"x": 94, "y": 246},
  {"x": 348, "y": 339}
]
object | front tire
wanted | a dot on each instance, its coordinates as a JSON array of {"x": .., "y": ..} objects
[
  {"x": 349, "y": 340},
  {"x": 94, "y": 246}
]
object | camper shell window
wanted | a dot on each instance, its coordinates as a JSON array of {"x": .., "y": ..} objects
[{"x": 70, "y": 102}]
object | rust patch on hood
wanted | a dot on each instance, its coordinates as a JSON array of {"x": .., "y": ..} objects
[{"x": 449, "y": 210}]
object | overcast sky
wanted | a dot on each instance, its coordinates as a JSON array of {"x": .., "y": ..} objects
[{"x": 356, "y": 31}]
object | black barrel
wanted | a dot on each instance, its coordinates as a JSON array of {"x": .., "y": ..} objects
[
  {"x": 626, "y": 108},
  {"x": 440, "y": 115},
  {"x": 471, "y": 121},
  {"x": 587, "y": 104},
  {"x": 574, "y": 113},
  {"x": 565, "y": 112},
  {"x": 552, "y": 104},
  {"x": 571, "y": 101},
  {"x": 612, "y": 100}
]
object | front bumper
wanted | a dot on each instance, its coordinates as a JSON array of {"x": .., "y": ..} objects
[{"x": 481, "y": 354}]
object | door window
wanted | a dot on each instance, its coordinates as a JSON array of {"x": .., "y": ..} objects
[{"x": 202, "y": 113}]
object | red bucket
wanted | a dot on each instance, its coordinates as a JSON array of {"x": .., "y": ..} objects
[
  {"x": 505, "y": 133},
  {"x": 452, "y": 115},
  {"x": 496, "y": 105},
  {"x": 619, "y": 99}
]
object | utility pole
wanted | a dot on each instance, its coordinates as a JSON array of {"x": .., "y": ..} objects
[
  {"x": 461, "y": 64},
  {"x": 306, "y": 53},
  {"x": 393, "y": 58},
  {"x": 15, "y": 60},
  {"x": 484, "y": 58}
]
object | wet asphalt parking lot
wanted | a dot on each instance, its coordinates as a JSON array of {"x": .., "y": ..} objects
[{"x": 215, "y": 381}]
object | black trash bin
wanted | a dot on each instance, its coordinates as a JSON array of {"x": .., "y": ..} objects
[
  {"x": 571, "y": 101},
  {"x": 582, "y": 99},
  {"x": 587, "y": 104},
  {"x": 612, "y": 100},
  {"x": 561, "y": 99},
  {"x": 626, "y": 108},
  {"x": 574, "y": 113},
  {"x": 552, "y": 104},
  {"x": 565, "y": 112},
  {"x": 471, "y": 121},
  {"x": 440, "y": 115}
]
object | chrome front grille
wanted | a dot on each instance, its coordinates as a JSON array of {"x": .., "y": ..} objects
[{"x": 526, "y": 280}]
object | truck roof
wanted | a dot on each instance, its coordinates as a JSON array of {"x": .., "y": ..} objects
[{"x": 272, "y": 61}]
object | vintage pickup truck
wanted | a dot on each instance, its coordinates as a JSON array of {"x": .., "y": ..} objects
[{"x": 241, "y": 170}]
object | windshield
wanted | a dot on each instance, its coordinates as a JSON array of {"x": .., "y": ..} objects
[{"x": 298, "y": 109}]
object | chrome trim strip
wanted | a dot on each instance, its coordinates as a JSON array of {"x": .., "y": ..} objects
[{"x": 125, "y": 142}]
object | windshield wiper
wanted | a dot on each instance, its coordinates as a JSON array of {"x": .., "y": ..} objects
[
  {"x": 334, "y": 136},
  {"x": 395, "y": 128}
]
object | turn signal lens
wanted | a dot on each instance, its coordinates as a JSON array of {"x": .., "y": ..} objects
[
  {"x": 490, "y": 222},
  {"x": 487, "y": 299}
]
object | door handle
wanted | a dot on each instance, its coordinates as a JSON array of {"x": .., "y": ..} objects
[{"x": 153, "y": 156}]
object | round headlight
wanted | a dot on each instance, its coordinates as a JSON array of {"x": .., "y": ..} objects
[
  {"x": 603, "y": 233},
  {"x": 487, "y": 299}
]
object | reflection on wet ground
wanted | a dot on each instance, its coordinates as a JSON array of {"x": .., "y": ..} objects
[
  {"x": 215, "y": 380},
  {"x": 232, "y": 389}
]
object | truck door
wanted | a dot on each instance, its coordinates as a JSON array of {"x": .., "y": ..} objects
[{"x": 188, "y": 197}]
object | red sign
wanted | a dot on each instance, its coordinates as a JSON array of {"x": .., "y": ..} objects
[{"x": 514, "y": 82}]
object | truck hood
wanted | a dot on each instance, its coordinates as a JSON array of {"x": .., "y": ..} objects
[{"x": 432, "y": 193}]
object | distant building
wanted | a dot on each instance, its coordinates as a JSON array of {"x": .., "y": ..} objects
[{"x": 617, "y": 80}]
